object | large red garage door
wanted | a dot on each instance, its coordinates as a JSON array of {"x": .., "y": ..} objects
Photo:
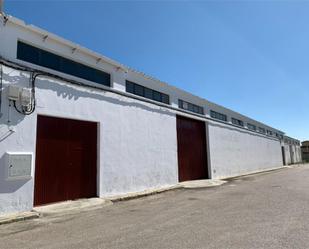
[
  {"x": 66, "y": 156},
  {"x": 192, "y": 155}
]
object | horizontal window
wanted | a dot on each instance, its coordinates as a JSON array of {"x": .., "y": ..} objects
[
  {"x": 270, "y": 133},
  {"x": 146, "y": 92},
  {"x": 251, "y": 127},
  {"x": 190, "y": 107},
  {"x": 218, "y": 115},
  {"x": 279, "y": 136},
  {"x": 262, "y": 130},
  {"x": 46, "y": 59},
  {"x": 237, "y": 122}
]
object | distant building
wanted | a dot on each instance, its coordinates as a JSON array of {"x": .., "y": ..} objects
[{"x": 305, "y": 151}]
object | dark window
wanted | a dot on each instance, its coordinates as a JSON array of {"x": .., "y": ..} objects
[
  {"x": 43, "y": 58},
  {"x": 157, "y": 96},
  {"x": 28, "y": 53},
  {"x": 145, "y": 92},
  {"x": 262, "y": 130},
  {"x": 270, "y": 133},
  {"x": 218, "y": 115},
  {"x": 148, "y": 93},
  {"x": 237, "y": 122},
  {"x": 129, "y": 87},
  {"x": 139, "y": 90},
  {"x": 50, "y": 60},
  {"x": 190, "y": 107},
  {"x": 251, "y": 127},
  {"x": 165, "y": 98}
]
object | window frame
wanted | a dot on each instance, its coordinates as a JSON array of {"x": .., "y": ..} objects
[
  {"x": 160, "y": 96},
  {"x": 218, "y": 116},
  {"x": 251, "y": 127},
  {"x": 269, "y": 132},
  {"x": 78, "y": 70},
  {"x": 190, "y": 107},
  {"x": 237, "y": 122}
]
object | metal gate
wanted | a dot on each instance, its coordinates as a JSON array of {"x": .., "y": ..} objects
[
  {"x": 66, "y": 160},
  {"x": 192, "y": 153}
]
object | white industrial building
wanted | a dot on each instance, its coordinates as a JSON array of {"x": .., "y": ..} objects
[{"x": 75, "y": 124}]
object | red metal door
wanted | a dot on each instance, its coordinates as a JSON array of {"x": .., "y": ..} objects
[
  {"x": 192, "y": 155},
  {"x": 66, "y": 154}
]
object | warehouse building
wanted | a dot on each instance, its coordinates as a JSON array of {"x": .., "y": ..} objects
[
  {"x": 76, "y": 124},
  {"x": 305, "y": 151}
]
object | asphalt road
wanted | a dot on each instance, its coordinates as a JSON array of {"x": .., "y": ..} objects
[{"x": 261, "y": 211}]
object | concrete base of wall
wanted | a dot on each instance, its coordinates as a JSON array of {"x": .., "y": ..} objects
[
  {"x": 94, "y": 203},
  {"x": 6, "y": 219}
]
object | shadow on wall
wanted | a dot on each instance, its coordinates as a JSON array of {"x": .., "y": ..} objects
[
  {"x": 10, "y": 117},
  {"x": 9, "y": 186},
  {"x": 242, "y": 130},
  {"x": 67, "y": 90}
]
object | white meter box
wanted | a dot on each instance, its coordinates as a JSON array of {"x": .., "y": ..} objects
[{"x": 18, "y": 165}]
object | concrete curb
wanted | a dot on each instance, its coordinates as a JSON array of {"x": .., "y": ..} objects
[
  {"x": 208, "y": 183},
  {"x": 10, "y": 218},
  {"x": 72, "y": 206},
  {"x": 183, "y": 185},
  {"x": 256, "y": 173},
  {"x": 141, "y": 194}
]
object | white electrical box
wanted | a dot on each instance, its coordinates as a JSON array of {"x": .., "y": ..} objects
[
  {"x": 19, "y": 166},
  {"x": 14, "y": 92},
  {"x": 25, "y": 96}
]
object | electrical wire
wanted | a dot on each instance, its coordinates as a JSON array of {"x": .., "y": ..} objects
[{"x": 35, "y": 73}]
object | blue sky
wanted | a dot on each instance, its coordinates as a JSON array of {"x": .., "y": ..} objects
[{"x": 252, "y": 57}]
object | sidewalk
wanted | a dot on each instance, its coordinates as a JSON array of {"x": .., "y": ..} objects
[{"x": 96, "y": 203}]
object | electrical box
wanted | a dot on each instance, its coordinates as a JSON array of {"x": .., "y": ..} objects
[
  {"x": 25, "y": 96},
  {"x": 14, "y": 92},
  {"x": 19, "y": 166}
]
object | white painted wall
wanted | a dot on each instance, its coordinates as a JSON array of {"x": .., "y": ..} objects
[
  {"x": 137, "y": 140},
  {"x": 137, "y": 143},
  {"x": 16, "y": 29},
  {"x": 292, "y": 153},
  {"x": 287, "y": 153},
  {"x": 235, "y": 151}
]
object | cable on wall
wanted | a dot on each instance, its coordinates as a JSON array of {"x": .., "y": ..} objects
[
  {"x": 35, "y": 73},
  {"x": 25, "y": 110}
]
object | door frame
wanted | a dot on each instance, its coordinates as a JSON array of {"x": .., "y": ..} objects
[
  {"x": 98, "y": 148},
  {"x": 207, "y": 145},
  {"x": 283, "y": 155}
]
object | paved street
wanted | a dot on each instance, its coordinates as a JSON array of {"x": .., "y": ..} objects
[{"x": 269, "y": 210}]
